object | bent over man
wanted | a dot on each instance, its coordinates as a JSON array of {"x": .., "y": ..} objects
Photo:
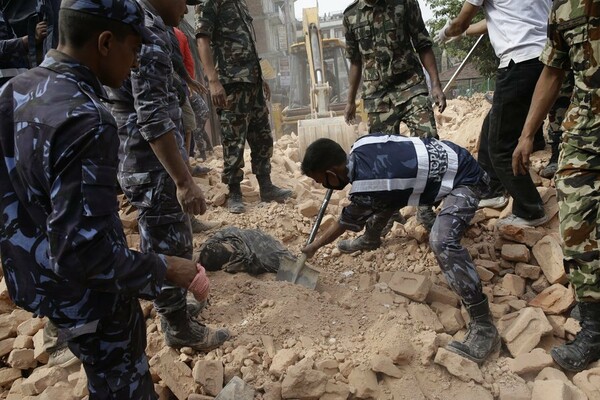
[{"x": 388, "y": 172}]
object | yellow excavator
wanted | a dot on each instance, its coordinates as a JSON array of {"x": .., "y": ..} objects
[{"x": 319, "y": 88}]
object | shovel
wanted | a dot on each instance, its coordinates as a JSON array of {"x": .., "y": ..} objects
[{"x": 296, "y": 270}]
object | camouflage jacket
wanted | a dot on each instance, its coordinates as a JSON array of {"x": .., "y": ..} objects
[
  {"x": 228, "y": 24},
  {"x": 386, "y": 37},
  {"x": 573, "y": 39},
  {"x": 13, "y": 52},
  {"x": 63, "y": 250},
  {"x": 147, "y": 105}
]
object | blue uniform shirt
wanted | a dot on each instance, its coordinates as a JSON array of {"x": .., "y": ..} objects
[{"x": 63, "y": 249}]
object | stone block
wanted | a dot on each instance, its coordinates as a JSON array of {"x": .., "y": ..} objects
[
  {"x": 572, "y": 326},
  {"x": 209, "y": 374},
  {"x": 521, "y": 234},
  {"x": 499, "y": 310},
  {"x": 283, "y": 359},
  {"x": 523, "y": 330},
  {"x": 514, "y": 391},
  {"x": 8, "y": 326},
  {"x": 401, "y": 353},
  {"x": 31, "y": 326},
  {"x": 236, "y": 389},
  {"x": 549, "y": 256},
  {"x": 531, "y": 363},
  {"x": 424, "y": 314},
  {"x": 385, "y": 365},
  {"x": 39, "y": 352},
  {"x": 335, "y": 391},
  {"x": 485, "y": 274},
  {"x": 8, "y": 376},
  {"x": 441, "y": 294},
  {"x": 21, "y": 359},
  {"x": 414, "y": 286},
  {"x": 540, "y": 284},
  {"x": 174, "y": 373},
  {"x": 528, "y": 271},
  {"x": 308, "y": 208},
  {"x": 6, "y": 346},
  {"x": 490, "y": 265},
  {"x": 555, "y": 299},
  {"x": 515, "y": 252},
  {"x": 302, "y": 381},
  {"x": 41, "y": 378},
  {"x": 556, "y": 390},
  {"x": 464, "y": 369},
  {"x": 550, "y": 373},
  {"x": 363, "y": 383},
  {"x": 589, "y": 382},
  {"x": 514, "y": 284},
  {"x": 557, "y": 322},
  {"x": 450, "y": 317},
  {"x": 23, "y": 342}
]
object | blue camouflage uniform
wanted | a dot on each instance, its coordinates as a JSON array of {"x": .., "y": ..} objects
[
  {"x": 228, "y": 24},
  {"x": 147, "y": 107},
  {"x": 13, "y": 52},
  {"x": 62, "y": 244},
  {"x": 389, "y": 172}
]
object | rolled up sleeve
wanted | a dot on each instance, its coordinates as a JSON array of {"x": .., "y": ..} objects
[
  {"x": 416, "y": 26},
  {"x": 352, "y": 50},
  {"x": 151, "y": 93},
  {"x": 206, "y": 15},
  {"x": 556, "y": 50}
]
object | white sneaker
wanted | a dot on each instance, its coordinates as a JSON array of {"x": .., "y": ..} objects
[
  {"x": 62, "y": 357},
  {"x": 518, "y": 221},
  {"x": 494, "y": 202}
]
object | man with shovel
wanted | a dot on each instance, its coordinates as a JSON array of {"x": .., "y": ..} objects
[{"x": 388, "y": 172}]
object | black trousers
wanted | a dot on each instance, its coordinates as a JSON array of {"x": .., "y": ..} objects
[{"x": 500, "y": 133}]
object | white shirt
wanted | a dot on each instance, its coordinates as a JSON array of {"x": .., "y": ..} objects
[{"x": 517, "y": 28}]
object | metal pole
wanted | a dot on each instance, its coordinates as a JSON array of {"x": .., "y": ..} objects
[{"x": 462, "y": 64}]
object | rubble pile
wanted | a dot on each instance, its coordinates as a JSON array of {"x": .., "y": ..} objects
[{"x": 376, "y": 327}]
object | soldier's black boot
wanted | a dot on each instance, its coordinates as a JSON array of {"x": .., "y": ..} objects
[
  {"x": 585, "y": 348},
  {"x": 235, "y": 205},
  {"x": 550, "y": 169},
  {"x": 482, "y": 336},
  {"x": 181, "y": 330},
  {"x": 371, "y": 239},
  {"x": 270, "y": 192},
  {"x": 396, "y": 217},
  {"x": 426, "y": 217}
]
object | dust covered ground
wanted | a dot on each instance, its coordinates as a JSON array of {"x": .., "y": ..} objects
[{"x": 367, "y": 332}]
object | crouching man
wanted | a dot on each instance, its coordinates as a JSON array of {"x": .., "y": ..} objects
[{"x": 390, "y": 172}]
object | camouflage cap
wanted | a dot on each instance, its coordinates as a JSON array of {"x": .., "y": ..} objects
[{"x": 126, "y": 11}]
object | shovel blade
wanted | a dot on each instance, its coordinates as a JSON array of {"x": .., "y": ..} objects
[{"x": 303, "y": 275}]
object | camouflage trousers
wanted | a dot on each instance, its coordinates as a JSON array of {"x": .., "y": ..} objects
[
  {"x": 202, "y": 114},
  {"x": 457, "y": 210},
  {"x": 578, "y": 188},
  {"x": 559, "y": 109},
  {"x": 416, "y": 113},
  {"x": 246, "y": 117},
  {"x": 113, "y": 355},
  {"x": 164, "y": 227}
]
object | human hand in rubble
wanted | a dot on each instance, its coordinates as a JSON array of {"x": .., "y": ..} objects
[
  {"x": 439, "y": 97},
  {"x": 350, "y": 113},
  {"x": 520, "y": 157},
  {"x": 191, "y": 198},
  {"x": 217, "y": 93},
  {"x": 180, "y": 271}
]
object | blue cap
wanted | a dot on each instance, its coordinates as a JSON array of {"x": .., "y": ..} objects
[{"x": 126, "y": 11}]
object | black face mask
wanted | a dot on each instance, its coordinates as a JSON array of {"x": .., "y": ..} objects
[{"x": 341, "y": 183}]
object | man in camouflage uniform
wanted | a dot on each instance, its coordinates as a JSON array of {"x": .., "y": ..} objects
[
  {"x": 153, "y": 169},
  {"x": 388, "y": 172},
  {"x": 13, "y": 50},
  {"x": 227, "y": 46},
  {"x": 555, "y": 119},
  {"x": 572, "y": 43},
  {"x": 388, "y": 45},
  {"x": 64, "y": 253}
]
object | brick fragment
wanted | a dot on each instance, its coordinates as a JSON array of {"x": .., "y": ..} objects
[
  {"x": 549, "y": 256},
  {"x": 414, "y": 286},
  {"x": 515, "y": 252},
  {"x": 555, "y": 299}
]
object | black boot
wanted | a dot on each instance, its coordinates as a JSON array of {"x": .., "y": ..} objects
[
  {"x": 270, "y": 192},
  {"x": 235, "y": 205},
  {"x": 181, "y": 330},
  {"x": 585, "y": 348},
  {"x": 550, "y": 169},
  {"x": 371, "y": 239},
  {"x": 426, "y": 217},
  {"x": 482, "y": 336},
  {"x": 396, "y": 217}
]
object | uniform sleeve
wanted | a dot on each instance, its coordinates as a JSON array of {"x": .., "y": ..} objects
[
  {"x": 206, "y": 15},
  {"x": 352, "y": 50},
  {"x": 151, "y": 93},
  {"x": 12, "y": 48},
  {"x": 556, "y": 50},
  {"x": 416, "y": 26},
  {"x": 87, "y": 243}
]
